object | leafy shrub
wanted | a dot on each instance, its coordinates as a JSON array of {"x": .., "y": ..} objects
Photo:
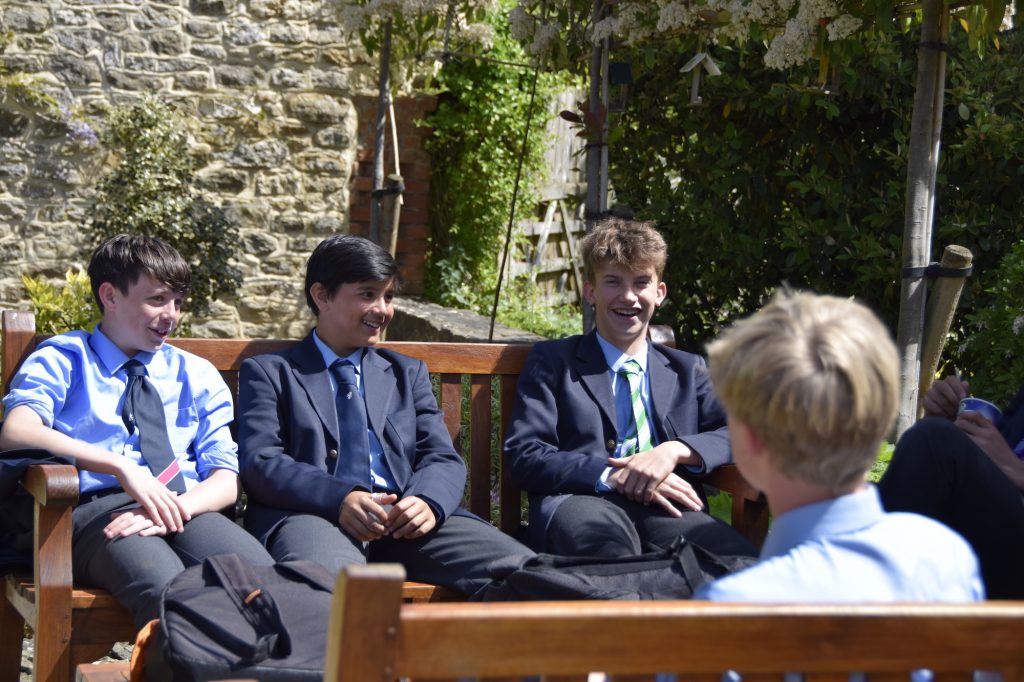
[
  {"x": 997, "y": 340},
  {"x": 477, "y": 132},
  {"x": 150, "y": 192},
  {"x": 70, "y": 307},
  {"x": 523, "y": 307},
  {"x": 774, "y": 179}
]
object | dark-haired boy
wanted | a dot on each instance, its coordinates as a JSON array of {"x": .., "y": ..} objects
[
  {"x": 345, "y": 455},
  {"x": 147, "y": 481},
  {"x": 611, "y": 432}
]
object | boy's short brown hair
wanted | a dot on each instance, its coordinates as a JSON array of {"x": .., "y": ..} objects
[
  {"x": 817, "y": 379},
  {"x": 122, "y": 259},
  {"x": 631, "y": 243}
]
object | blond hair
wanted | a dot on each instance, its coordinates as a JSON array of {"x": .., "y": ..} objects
[
  {"x": 630, "y": 243},
  {"x": 816, "y": 378}
]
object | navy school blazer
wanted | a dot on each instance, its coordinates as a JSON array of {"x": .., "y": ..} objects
[
  {"x": 563, "y": 427},
  {"x": 288, "y": 435}
]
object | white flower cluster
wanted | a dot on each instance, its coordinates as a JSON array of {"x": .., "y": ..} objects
[
  {"x": 796, "y": 24},
  {"x": 478, "y": 34},
  {"x": 843, "y": 26},
  {"x": 358, "y": 15}
]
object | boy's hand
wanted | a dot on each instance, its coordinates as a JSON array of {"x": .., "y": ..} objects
[
  {"x": 986, "y": 436},
  {"x": 162, "y": 505},
  {"x": 677, "y": 489},
  {"x": 944, "y": 396},
  {"x": 410, "y": 518},
  {"x": 362, "y": 515},
  {"x": 637, "y": 477},
  {"x": 131, "y": 522}
]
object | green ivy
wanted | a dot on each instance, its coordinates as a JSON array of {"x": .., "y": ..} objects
[
  {"x": 150, "y": 192},
  {"x": 773, "y": 179},
  {"x": 477, "y": 132}
]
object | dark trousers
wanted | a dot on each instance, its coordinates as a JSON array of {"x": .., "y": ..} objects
[
  {"x": 455, "y": 554},
  {"x": 135, "y": 569},
  {"x": 939, "y": 472},
  {"x": 611, "y": 525}
]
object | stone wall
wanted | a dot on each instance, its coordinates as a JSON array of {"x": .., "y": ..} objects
[{"x": 279, "y": 105}]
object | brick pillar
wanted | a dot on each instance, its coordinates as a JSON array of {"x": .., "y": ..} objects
[{"x": 413, "y": 227}]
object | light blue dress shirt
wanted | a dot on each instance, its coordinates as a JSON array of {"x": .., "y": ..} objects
[
  {"x": 848, "y": 549},
  {"x": 75, "y": 382},
  {"x": 379, "y": 472}
]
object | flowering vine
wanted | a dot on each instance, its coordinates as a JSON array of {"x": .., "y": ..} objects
[{"x": 559, "y": 32}]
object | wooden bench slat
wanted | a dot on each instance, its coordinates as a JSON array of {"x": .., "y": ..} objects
[
  {"x": 102, "y": 672},
  {"x": 480, "y": 446},
  {"x": 451, "y": 407},
  {"x": 822, "y": 640},
  {"x": 510, "y": 503}
]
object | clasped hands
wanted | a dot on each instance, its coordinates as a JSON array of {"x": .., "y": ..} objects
[
  {"x": 370, "y": 516},
  {"x": 649, "y": 477},
  {"x": 160, "y": 511}
]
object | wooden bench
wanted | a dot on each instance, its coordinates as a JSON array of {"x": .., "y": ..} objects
[
  {"x": 74, "y": 625},
  {"x": 373, "y": 636}
]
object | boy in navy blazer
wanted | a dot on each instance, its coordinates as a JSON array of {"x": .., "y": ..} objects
[
  {"x": 344, "y": 453},
  {"x": 611, "y": 433}
]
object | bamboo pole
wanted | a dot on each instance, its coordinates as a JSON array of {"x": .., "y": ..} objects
[{"x": 596, "y": 190}]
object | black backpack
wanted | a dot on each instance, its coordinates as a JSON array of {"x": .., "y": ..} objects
[
  {"x": 226, "y": 619},
  {"x": 673, "y": 573}
]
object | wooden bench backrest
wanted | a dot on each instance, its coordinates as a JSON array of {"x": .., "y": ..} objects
[
  {"x": 478, "y": 362},
  {"x": 375, "y": 637}
]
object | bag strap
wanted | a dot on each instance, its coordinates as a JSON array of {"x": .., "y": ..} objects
[
  {"x": 255, "y": 604},
  {"x": 687, "y": 558}
]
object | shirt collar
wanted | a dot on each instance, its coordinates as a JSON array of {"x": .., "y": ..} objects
[
  {"x": 112, "y": 357},
  {"x": 844, "y": 514},
  {"x": 616, "y": 358},
  {"x": 356, "y": 358}
]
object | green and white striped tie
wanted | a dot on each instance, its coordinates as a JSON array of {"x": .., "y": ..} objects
[{"x": 641, "y": 428}]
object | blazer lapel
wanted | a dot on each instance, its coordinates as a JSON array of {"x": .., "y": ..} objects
[
  {"x": 378, "y": 385},
  {"x": 310, "y": 372},
  {"x": 664, "y": 386},
  {"x": 593, "y": 371}
]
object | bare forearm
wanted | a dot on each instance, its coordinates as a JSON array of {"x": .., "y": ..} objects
[
  {"x": 23, "y": 428},
  {"x": 219, "y": 490}
]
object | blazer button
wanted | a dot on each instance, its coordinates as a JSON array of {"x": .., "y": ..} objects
[
  {"x": 332, "y": 453},
  {"x": 610, "y": 445}
]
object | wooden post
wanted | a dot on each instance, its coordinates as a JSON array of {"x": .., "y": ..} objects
[
  {"x": 368, "y": 597},
  {"x": 383, "y": 98},
  {"x": 391, "y": 211},
  {"x": 941, "y": 306},
  {"x": 922, "y": 166}
]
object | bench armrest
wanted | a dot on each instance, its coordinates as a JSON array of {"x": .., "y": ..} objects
[
  {"x": 52, "y": 484},
  {"x": 729, "y": 479}
]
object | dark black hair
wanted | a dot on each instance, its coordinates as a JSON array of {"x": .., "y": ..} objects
[
  {"x": 346, "y": 258},
  {"x": 122, "y": 259}
]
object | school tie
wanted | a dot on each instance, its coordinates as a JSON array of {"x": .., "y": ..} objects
[
  {"x": 353, "y": 464},
  {"x": 641, "y": 428},
  {"x": 144, "y": 410}
]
